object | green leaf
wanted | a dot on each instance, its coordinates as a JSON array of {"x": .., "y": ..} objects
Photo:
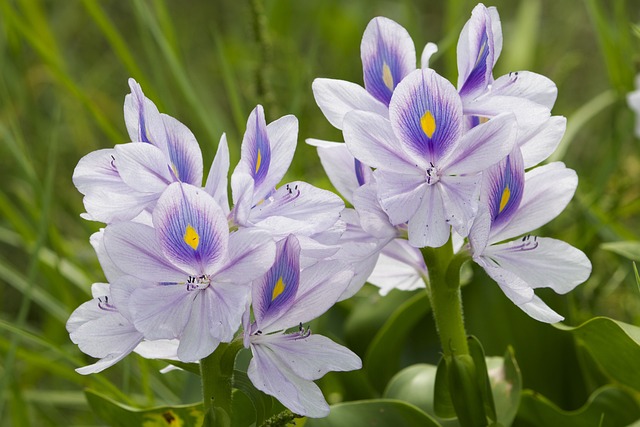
[
  {"x": 482, "y": 376},
  {"x": 612, "y": 405},
  {"x": 465, "y": 395},
  {"x": 614, "y": 345},
  {"x": 506, "y": 386},
  {"x": 442, "y": 404},
  {"x": 382, "y": 360},
  {"x": 378, "y": 412},
  {"x": 627, "y": 249},
  {"x": 637, "y": 275},
  {"x": 116, "y": 414}
]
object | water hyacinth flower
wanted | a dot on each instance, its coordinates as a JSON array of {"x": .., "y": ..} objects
[
  {"x": 530, "y": 96},
  {"x": 294, "y": 208},
  {"x": 120, "y": 183},
  {"x": 285, "y": 365},
  {"x": 427, "y": 167},
  {"x": 513, "y": 203},
  {"x": 388, "y": 56},
  {"x": 187, "y": 277}
]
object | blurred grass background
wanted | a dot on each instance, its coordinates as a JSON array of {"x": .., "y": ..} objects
[{"x": 63, "y": 78}]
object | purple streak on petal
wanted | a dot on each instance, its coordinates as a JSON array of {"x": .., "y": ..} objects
[
  {"x": 504, "y": 187},
  {"x": 139, "y": 101},
  {"x": 477, "y": 78},
  {"x": 277, "y": 289},
  {"x": 258, "y": 143},
  {"x": 422, "y": 92},
  {"x": 388, "y": 55},
  {"x": 191, "y": 228},
  {"x": 184, "y": 152},
  {"x": 360, "y": 172}
]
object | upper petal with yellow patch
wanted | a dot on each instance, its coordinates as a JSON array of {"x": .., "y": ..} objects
[
  {"x": 388, "y": 55},
  {"x": 192, "y": 229}
]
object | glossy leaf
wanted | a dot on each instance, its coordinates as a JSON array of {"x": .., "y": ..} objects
[
  {"x": 482, "y": 376},
  {"x": 379, "y": 412},
  {"x": 383, "y": 356},
  {"x": 609, "y": 406},
  {"x": 465, "y": 394},
  {"x": 118, "y": 415},
  {"x": 442, "y": 404},
  {"x": 614, "y": 345}
]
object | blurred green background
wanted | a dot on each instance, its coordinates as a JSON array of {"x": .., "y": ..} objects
[{"x": 63, "y": 78}]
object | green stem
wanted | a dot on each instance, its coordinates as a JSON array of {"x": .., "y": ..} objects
[
  {"x": 446, "y": 302},
  {"x": 216, "y": 374}
]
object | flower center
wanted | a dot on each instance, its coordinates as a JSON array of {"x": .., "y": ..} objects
[
  {"x": 195, "y": 283},
  {"x": 431, "y": 174}
]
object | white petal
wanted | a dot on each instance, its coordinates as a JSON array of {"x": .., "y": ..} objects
[
  {"x": 185, "y": 156},
  {"x": 283, "y": 137},
  {"x": 400, "y": 195},
  {"x": 400, "y": 266},
  {"x": 242, "y": 193},
  {"x": 217, "y": 180},
  {"x": 310, "y": 357},
  {"x": 482, "y": 146},
  {"x": 543, "y": 262},
  {"x": 372, "y": 217},
  {"x": 251, "y": 254},
  {"x": 197, "y": 340},
  {"x": 158, "y": 349},
  {"x": 340, "y": 166},
  {"x": 136, "y": 251},
  {"x": 540, "y": 143},
  {"x": 460, "y": 198},
  {"x": 338, "y": 97},
  {"x": 427, "y": 53},
  {"x": 269, "y": 375},
  {"x": 428, "y": 227},
  {"x": 143, "y": 167},
  {"x": 537, "y": 309},
  {"x": 525, "y": 84},
  {"x": 371, "y": 140}
]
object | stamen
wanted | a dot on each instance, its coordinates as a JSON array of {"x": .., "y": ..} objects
[{"x": 103, "y": 304}]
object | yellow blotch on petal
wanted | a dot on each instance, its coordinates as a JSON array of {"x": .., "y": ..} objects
[
  {"x": 191, "y": 237},
  {"x": 428, "y": 124},
  {"x": 387, "y": 77},
  {"x": 277, "y": 289},
  {"x": 506, "y": 195},
  {"x": 258, "y": 161}
]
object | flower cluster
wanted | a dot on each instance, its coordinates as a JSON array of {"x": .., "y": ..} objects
[
  {"x": 428, "y": 162},
  {"x": 184, "y": 268}
]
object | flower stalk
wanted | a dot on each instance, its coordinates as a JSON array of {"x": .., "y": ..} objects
[
  {"x": 446, "y": 302},
  {"x": 216, "y": 374}
]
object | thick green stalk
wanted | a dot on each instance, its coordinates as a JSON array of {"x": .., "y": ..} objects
[
  {"x": 446, "y": 302},
  {"x": 216, "y": 374}
]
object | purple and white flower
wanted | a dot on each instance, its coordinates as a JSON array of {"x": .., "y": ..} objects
[
  {"x": 428, "y": 168},
  {"x": 285, "y": 365},
  {"x": 186, "y": 278},
  {"x": 633, "y": 99},
  {"x": 513, "y": 203},
  {"x": 120, "y": 183}
]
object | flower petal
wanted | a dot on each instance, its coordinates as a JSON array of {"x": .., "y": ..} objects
[
  {"x": 184, "y": 151},
  {"x": 135, "y": 249},
  {"x": 547, "y": 191},
  {"x": 429, "y": 50},
  {"x": 460, "y": 200},
  {"x": 196, "y": 339},
  {"x": 251, "y": 254},
  {"x": 400, "y": 266},
  {"x": 388, "y": 55},
  {"x": 503, "y": 188},
  {"x": 482, "y": 146},
  {"x": 270, "y": 375},
  {"x": 371, "y": 140},
  {"x": 478, "y": 50},
  {"x": 429, "y": 227},
  {"x": 400, "y": 195},
  {"x": 426, "y": 115},
  {"x": 192, "y": 229},
  {"x": 217, "y": 181},
  {"x": 525, "y": 84},
  {"x": 143, "y": 167},
  {"x": 338, "y": 97},
  {"x": 539, "y": 143},
  {"x": 275, "y": 291},
  {"x": 309, "y": 357},
  {"x": 543, "y": 262},
  {"x": 345, "y": 172},
  {"x": 143, "y": 120}
]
